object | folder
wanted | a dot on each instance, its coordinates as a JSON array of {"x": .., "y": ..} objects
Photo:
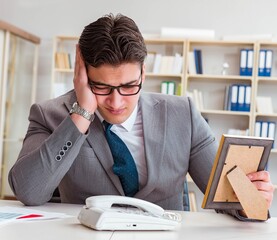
[
  {"x": 258, "y": 128},
  {"x": 164, "y": 87},
  {"x": 268, "y": 62},
  {"x": 234, "y": 97},
  {"x": 243, "y": 62},
  {"x": 249, "y": 66},
  {"x": 171, "y": 88},
  {"x": 264, "y": 129},
  {"x": 261, "y": 70},
  {"x": 247, "y": 99},
  {"x": 241, "y": 97},
  {"x": 271, "y": 131}
]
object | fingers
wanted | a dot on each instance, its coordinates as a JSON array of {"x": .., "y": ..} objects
[
  {"x": 80, "y": 72},
  {"x": 259, "y": 176},
  {"x": 261, "y": 181}
]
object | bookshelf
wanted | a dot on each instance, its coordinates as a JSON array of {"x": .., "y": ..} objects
[
  {"x": 18, "y": 73},
  {"x": 212, "y": 82},
  {"x": 63, "y": 60},
  {"x": 165, "y": 63}
]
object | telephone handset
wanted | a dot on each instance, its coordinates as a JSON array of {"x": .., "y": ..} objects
[{"x": 108, "y": 212}]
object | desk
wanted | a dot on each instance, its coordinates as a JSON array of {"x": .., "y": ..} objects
[{"x": 194, "y": 226}]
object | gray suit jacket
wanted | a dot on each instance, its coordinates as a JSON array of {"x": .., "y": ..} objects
[{"x": 177, "y": 140}]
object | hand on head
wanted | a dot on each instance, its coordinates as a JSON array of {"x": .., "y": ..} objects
[{"x": 85, "y": 97}]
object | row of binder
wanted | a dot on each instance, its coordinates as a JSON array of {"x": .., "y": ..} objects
[
  {"x": 237, "y": 98},
  {"x": 246, "y": 62},
  {"x": 265, "y": 129},
  {"x": 247, "y": 59},
  {"x": 168, "y": 87},
  {"x": 265, "y": 62}
]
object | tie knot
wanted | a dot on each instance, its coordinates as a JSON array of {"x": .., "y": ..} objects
[{"x": 107, "y": 125}]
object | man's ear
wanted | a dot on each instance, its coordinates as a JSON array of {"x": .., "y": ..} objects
[{"x": 143, "y": 73}]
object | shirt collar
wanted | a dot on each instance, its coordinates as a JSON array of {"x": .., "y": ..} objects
[{"x": 128, "y": 124}]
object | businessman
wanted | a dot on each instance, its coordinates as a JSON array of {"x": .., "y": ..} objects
[{"x": 68, "y": 143}]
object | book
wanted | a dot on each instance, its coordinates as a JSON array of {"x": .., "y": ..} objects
[
  {"x": 157, "y": 63},
  {"x": 264, "y": 105},
  {"x": 149, "y": 62},
  {"x": 191, "y": 63},
  {"x": 198, "y": 61}
]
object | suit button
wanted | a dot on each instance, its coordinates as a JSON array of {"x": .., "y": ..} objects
[
  {"x": 62, "y": 152},
  {"x": 58, "y": 158},
  {"x": 68, "y": 143}
]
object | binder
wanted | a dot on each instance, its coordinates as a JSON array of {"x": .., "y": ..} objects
[
  {"x": 264, "y": 129},
  {"x": 261, "y": 69},
  {"x": 271, "y": 131},
  {"x": 170, "y": 88},
  {"x": 243, "y": 62},
  {"x": 227, "y": 98},
  {"x": 241, "y": 97},
  {"x": 268, "y": 62},
  {"x": 247, "y": 99},
  {"x": 258, "y": 128},
  {"x": 198, "y": 61},
  {"x": 164, "y": 87},
  {"x": 234, "y": 97},
  {"x": 249, "y": 66}
]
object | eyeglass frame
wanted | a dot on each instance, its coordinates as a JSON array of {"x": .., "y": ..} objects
[{"x": 112, "y": 88}]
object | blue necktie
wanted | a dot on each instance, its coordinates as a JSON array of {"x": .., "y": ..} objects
[{"x": 124, "y": 165}]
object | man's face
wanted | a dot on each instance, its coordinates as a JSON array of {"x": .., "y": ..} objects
[{"x": 116, "y": 108}]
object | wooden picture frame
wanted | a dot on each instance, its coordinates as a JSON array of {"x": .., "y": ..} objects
[{"x": 249, "y": 153}]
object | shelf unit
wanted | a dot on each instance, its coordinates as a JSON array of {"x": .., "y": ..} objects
[
  {"x": 167, "y": 48},
  {"x": 18, "y": 74},
  {"x": 63, "y": 60},
  {"x": 212, "y": 83}
]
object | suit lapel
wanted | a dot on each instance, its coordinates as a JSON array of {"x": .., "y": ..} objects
[
  {"x": 97, "y": 141},
  {"x": 154, "y": 117}
]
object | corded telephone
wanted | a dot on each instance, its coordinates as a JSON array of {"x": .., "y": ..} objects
[{"x": 108, "y": 212}]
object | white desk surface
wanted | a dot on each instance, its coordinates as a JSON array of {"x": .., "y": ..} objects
[{"x": 195, "y": 225}]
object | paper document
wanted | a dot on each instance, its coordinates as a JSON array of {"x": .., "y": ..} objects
[{"x": 9, "y": 214}]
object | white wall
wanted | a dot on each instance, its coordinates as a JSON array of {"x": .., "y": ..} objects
[{"x": 62, "y": 17}]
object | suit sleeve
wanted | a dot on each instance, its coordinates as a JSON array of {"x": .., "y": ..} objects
[{"x": 45, "y": 158}]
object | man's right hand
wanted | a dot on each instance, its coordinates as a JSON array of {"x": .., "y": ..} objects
[{"x": 85, "y": 98}]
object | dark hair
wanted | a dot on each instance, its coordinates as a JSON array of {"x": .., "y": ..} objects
[{"x": 112, "y": 40}]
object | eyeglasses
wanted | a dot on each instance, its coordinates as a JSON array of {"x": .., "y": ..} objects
[{"x": 124, "y": 90}]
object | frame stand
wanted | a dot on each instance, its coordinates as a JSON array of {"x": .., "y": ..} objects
[{"x": 252, "y": 202}]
